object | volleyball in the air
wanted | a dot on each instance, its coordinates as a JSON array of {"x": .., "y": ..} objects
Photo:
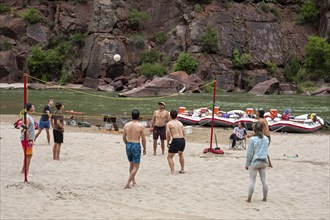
[{"x": 116, "y": 57}]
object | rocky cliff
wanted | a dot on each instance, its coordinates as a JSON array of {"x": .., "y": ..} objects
[{"x": 267, "y": 37}]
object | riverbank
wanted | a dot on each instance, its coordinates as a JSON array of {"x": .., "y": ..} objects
[{"x": 88, "y": 181}]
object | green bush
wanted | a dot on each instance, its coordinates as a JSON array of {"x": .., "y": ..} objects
[
  {"x": 150, "y": 70},
  {"x": 136, "y": 18},
  {"x": 198, "y": 8},
  {"x": 275, "y": 11},
  {"x": 292, "y": 68},
  {"x": 78, "y": 38},
  {"x": 137, "y": 41},
  {"x": 66, "y": 77},
  {"x": 317, "y": 58},
  {"x": 185, "y": 63},
  {"x": 4, "y": 8},
  {"x": 240, "y": 60},
  {"x": 209, "y": 40},
  {"x": 264, "y": 7},
  {"x": 151, "y": 56},
  {"x": 308, "y": 12},
  {"x": 305, "y": 86},
  {"x": 159, "y": 38},
  {"x": 271, "y": 67},
  {"x": 33, "y": 16},
  {"x": 45, "y": 64}
]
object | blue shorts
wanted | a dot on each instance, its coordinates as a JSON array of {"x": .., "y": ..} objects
[
  {"x": 44, "y": 124},
  {"x": 133, "y": 152}
]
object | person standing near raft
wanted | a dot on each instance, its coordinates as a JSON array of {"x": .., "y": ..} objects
[
  {"x": 265, "y": 129},
  {"x": 157, "y": 126},
  {"x": 175, "y": 131},
  {"x": 133, "y": 132},
  {"x": 257, "y": 161}
]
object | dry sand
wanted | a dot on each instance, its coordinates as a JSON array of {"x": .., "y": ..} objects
[{"x": 88, "y": 181}]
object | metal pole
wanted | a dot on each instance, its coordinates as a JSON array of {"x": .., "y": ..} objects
[
  {"x": 212, "y": 124},
  {"x": 25, "y": 141}
]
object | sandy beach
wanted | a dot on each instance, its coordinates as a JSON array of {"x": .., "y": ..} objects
[{"x": 88, "y": 181}]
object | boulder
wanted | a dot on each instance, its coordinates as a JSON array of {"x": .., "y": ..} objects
[
  {"x": 251, "y": 78},
  {"x": 226, "y": 81},
  {"x": 107, "y": 88},
  {"x": 118, "y": 85},
  {"x": 136, "y": 82},
  {"x": 157, "y": 87},
  {"x": 323, "y": 91},
  {"x": 266, "y": 88},
  {"x": 92, "y": 83},
  {"x": 288, "y": 88},
  {"x": 36, "y": 86},
  {"x": 192, "y": 83}
]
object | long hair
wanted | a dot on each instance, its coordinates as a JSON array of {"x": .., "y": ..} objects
[{"x": 258, "y": 130}]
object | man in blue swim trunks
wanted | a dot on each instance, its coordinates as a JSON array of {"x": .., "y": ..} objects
[
  {"x": 132, "y": 135},
  {"x": 44, "y": 122},
  {"x": 175, "y": 131}
]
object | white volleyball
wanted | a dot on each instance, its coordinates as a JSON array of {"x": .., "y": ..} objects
[{"x": 116, "y": 57}]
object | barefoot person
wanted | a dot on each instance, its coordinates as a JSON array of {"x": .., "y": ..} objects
[
  {"x": 265, "y": 129},
  {"x": 133, "y": 133},
  {"x": 157, "y": 126},
  {"x": 58, "y": 130},
  {"x": 175, "y": 132},
  {"x": 44, "y": 122},
  {"x": 257, "y": 161},
  {"x": 30, "y": 135}
]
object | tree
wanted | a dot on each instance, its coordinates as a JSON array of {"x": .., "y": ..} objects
[
  {"x": 317, "y": 58},
  {"x": 210, "y": 40}
]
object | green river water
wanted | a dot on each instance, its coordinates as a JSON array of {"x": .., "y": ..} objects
[{"x": 94, "y": 103}]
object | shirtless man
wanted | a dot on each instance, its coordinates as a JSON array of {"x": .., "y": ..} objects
[
  {"x": 174, "y": 131},
  {"x": 157, "y": 126},
  {"x": 265, "y": 128},
  {"x": 133, "y": 133}
]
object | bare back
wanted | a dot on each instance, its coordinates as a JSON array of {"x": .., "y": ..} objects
[
  {"x": 265, "y": 128},
  {"x": 160, "y": 117},
  {"x": 175, "y": 129},
  {"x": 133, "y": 132}
]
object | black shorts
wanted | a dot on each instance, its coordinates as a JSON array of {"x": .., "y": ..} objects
[
  {"x": 177, "y": 144},
  {"x": 58, "y": 136},
  {"x": 159, "y": 131}
]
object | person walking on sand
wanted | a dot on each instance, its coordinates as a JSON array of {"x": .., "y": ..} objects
[
  {"x": 44, "y": 122},
  {"x": 58, "y": 130},
  {"x": 132, "y": 134},
  {"x": 30, "y": 135},
  {"x": 157, "y": 126},
  {"x": 257, "y": 161},
  {"x": 175, "y": 141}
]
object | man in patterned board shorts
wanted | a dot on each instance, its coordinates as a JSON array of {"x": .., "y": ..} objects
[
  {"x": 157, "y": 126},
  {"x": 132, "y": 134}
]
